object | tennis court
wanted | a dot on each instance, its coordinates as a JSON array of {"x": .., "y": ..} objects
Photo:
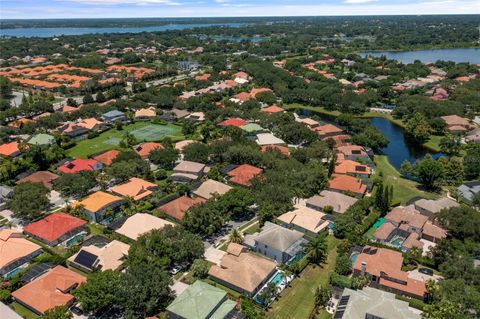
[{"x": 155, "y": 132}]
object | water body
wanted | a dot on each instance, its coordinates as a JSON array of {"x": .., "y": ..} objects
[
  {"x": 399, "y": 149},
  {"x": 51, "y": 32},
  {"x": 234, "y": 39},
  {"x": 471, "y": 55}
]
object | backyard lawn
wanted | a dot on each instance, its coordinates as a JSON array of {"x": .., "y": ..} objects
[
  {"x": 403, "y": 189},
  {"x": 23, "y": 311},
  {"x": 298, "y": 300},
  {"x": 112, "y": 138}
]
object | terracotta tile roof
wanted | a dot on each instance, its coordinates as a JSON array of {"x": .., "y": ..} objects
[
  {"x": 178, "y": 207},
  {"x": 455, "y": 120},
  {"x": 347, "y": 183},
  {"x": 407, "y": 215},
  {"x": 352, "y": 167},
  {"x": 107, "y": 157},
  {"x": 241, "y": 75},
  {"x": 243, "y": 174},
  {"x": 98, "y": 201},
  {"x": 340, "y": 140},
  {"x": 89, "y": 123},
  {"x": 305, "y": 218},
  {"x": 50, "y": 290},
  {"x": 255, "y": 91},
  {"x": 44, "y": 177},
  {"x": 272, "y": 109},
  {"x": 349, "y": 150},
  {"x": 233, "y": 122},
  {"x": 242, "y": 96},
  {"x": 78, "y": 165},
  {"x": 179, "y": 146},
  {"x": 14, "y": 247},
  {"x": 283, "y": 149},
  {"x": 54, "y": 226},
  {"x": 145, "y": 149},
  {"x": 9, "y": 149},
  {"x": 434, "y": 231},
  {"x": 384, "y": 231},
  {"x": 135, "y": 188},
  {"x": 203, "y": 77},
  {"x": 328, "y": 129}
]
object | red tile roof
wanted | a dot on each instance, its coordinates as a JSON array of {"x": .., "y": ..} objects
[
  {"x": 9, "y": 149},
  {"x": 178, "y": 207},
  {"x": 107, "y": 157},
  {"x": 272, "y": 109},
  {"x": 347, "y": 183},
  {"x": 44, "y": 177},
  {"x": 145, "y": 149},
  {"x": 243, "y": 174},
  {"x": 233, "y": 122},
  {"x": 78, "y": 165},
  {"x": 54, "y": 226}
]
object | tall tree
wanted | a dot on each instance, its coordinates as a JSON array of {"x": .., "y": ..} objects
[{"x": 29, "y": 200}]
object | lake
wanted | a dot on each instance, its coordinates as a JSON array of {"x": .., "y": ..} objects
[
  {"x": 233, "y": 39},
  {"x": 471, "y": 55},
  {"x": 51, "y": 32},
  {"x": 399, "y": 149}
]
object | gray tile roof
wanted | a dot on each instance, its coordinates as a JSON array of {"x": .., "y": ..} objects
[{"x": 278, "y": 237}]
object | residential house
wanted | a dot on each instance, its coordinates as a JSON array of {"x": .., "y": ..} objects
[
  {"x": 135, "y": 188},
  {"x": 92, "y": 124},
  {"x": 98, "y": 204},
  {"x": 145, "y": 114},
  {"x": 109, "y": 257},
  {"x": 272, "y": 109},
  {"x": 11, "y": 149},
  {"x": 179, "y": 114},
  {"x": 50, "y": 290},
  {"x": 469, "y": 190},
  {"x": 309, "y": 122},
  {"x": 340, "y": 140},
  {"x": 353, "y": 168},
  {"x": 187, "y": 171},
  {"x": 179, "y": 206},
  {"x": 353, "y": 153},
  {"x": 268, "y": 139},
  {"x": 252, "y": 128},
  {"x": 282, "y": 149},
  {"x": 140, "y": 224},
  {"x": 337, "y": 201},
  {"x": 347, "y": 184},
  {"x": 73, "y": 130},
  {"x": 232, "y": 122},
  {"x": 328, "y": 130},
  {"x": 473, "y": 136},
  {"x": 242, "y": 175},
  {"x": 6, "y": 194},
  {"x": 107, "y": 157},
  {"x": 144, "y": 149},
  {"x": 42, "y": 139},
  {"x": 306, "y": 220},
  {"x": 431, "y": 208},
  {"x": 56, "y": 228},
  {"x": 79, "y": 165},
  {"x": 371, "y": 303},
  {"x": 202, "y": 301},
  {"x": 457, "y": 124},
  {"x": 276, "y": 242},
  {"x": 211, "y": 187},
  {"x": 114, "y": 116},
  {"x": 196, "y": 116},
  {"x": 16, "y": 252},
  {"x": 44, "y": 177},
  {"x": 383, "y": 267},
  {"x": 242, "y": 271},
  {"x": 179, "y": 146}
]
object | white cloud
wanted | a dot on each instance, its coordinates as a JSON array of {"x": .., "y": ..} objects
[
  {"x": 358, "y": 1},
  {"x": 117, "y": 2}
]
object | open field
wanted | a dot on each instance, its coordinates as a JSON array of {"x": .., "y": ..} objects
[
  {"x": 112, "y": 138},
  {"x": 403, "y": 189},
  {"x": 298, "y": 300}
]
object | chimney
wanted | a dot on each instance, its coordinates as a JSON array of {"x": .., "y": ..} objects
[{"x": 364, "y": 268}]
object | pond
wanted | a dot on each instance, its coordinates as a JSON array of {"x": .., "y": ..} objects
[
  {"x": 471, "y": 55},
  {"x": 399, "y": 149}
]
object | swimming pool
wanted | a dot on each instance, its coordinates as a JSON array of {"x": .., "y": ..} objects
[
  {"x": 75, "y": 239},
  {"x": 353, "y": 257},
  {"x": 379, "y": 222},
  {"x": 277, "y": 279},
  {"x": 397, "y": 241},
  {"x": 14, "y": 272}
]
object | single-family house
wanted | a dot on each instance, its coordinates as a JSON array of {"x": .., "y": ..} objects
[
  {"x": 145, "y": 114},
  {"x": 233, "y": 122},
  {"x": 109, "y": 257},
  {"x": 140, "y": 224},
  {"x": 56, "y": 228},
  {"x": 44, "y": 177},
  {"x": 268, "y": 139},
  {"x": 16, "y": 251},
  {"x": 384, "y": 269},
  {"x": 73, "y": 130},
  {"x": 306, "y": 220},
  {"x": 457, "y": 124},
  {"x": 114, "y": 116},
  {"x": 282, "y": 149},
  {"x": 107, "y": 157},
  {"x": 431, "y": 207},
  {"x": 135, "y": 188},
  {"x": 276, "y": 242},
  {"x": 211, "y": 187},
  {"x": 179, "y": 206},
  {"x": 187, "y": 171},
  {"x": 353, "y": 153},
  {"x": 11, "y": 149},
  {"x": 202, "y": 301},
  {"x": 79, "y": 165},
  {"x": 179, "y": 146},
  {"x": 347, "y": 184},
  {"x": 242, "y": 271},
  {"x": 469, "y": 190},
  {"x": 328, "y": 130},
  {"x": 96, "y": 205},
  {"x": 50, "y": 290},
  {"x": 6, "y": 194},
  {"x": 242, "y": 175},
  {"x": 353, "y": 168},
  {"x": 144, "y": 149},
  {"x": 473, "y": 136},
  {"x": 337, "y": 201},
  {"x": 272, "y": 109}
]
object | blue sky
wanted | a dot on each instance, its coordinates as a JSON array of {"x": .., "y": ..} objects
[{"x": 11, "y": 9}]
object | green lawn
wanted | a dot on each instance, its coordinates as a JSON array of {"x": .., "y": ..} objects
[
  {"x": 318, "y": 109},
  {"x": 23, "y": 311},
  {"x": 111, "y": 138},
  {"x": 298, "y": 300},
  {"x": 403, "y": 189}
]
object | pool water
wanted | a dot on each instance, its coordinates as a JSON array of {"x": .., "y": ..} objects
[
  {"x": 397, "y": 241},
  {"x": 12, "y": 274},
  {"x": 277, "y": 279},
  {"x": 379, "y": 222},
  {"x": 353, "y": 257},
  {"x": 75, "y": 239}
]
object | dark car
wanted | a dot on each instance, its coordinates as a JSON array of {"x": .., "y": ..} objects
[{"x": 426, "y": 271}]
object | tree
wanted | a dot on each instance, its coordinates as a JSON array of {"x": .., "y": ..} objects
[
  {"x": 165, "y": 157},
  {"x": 143, "y": 290},
  {"x": 75, "y": 185},
  {"x": 72, "y": 102},
  {"x": 200, "y": 268},
  {"x": 59, "y": 312},
  {"x": 317, "y": 250},
  {"x": 343, "y": 265},
  {"x": 88, "y": 99},
  {"x": 471, "y": 162},
  {"x": 188, "y": 128},
  {"x": 417, "y": 128},
  {"x": 322, "y": 295},
  {"x": 382, "y": 197},
  {"x": 370, "y": 137},
  {"x": 100, "y": 291},
  {"x": 429, "y": 171},
  {"x": 451, "y": 145},
  {"x": 406, "y": 168},
  {"x": 196, "y": 152},
  {"x": 5, "y": 88},
  {"x": 100, "y": 97},
  {"x": 122, "y": 170},
  {"x": 29, "y": 200},
  {"x": 235, "y": 236}
]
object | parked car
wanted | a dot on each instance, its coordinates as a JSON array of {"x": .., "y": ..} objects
[{"x": 426, "y": 271}]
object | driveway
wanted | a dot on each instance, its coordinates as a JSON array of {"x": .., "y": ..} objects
[
  {"x": 415, "y": 274},
  {"x": 214, "y": 255}
]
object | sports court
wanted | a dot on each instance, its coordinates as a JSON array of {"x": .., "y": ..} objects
[{"x": 155, "y": 132}]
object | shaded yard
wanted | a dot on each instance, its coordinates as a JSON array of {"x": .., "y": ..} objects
[{"x": 298, "y": 300}]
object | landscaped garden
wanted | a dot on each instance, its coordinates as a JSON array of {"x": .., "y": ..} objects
[{"x": 142, "y": 131}]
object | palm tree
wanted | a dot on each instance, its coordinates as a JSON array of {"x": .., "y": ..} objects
[
  {"x": 235, "y": 236},
  {"x": 317, "y": 250}
]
